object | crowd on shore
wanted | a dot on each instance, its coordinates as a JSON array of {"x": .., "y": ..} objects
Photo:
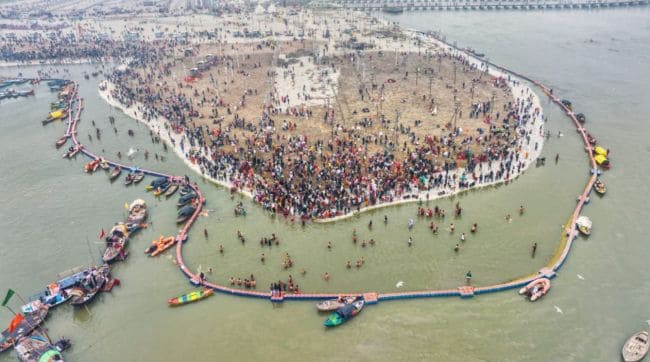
[
  {"x": 292, "y": 174},
  {"x": 322, "y": 178}
]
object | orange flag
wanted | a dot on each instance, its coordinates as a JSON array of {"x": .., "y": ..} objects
[{"x": 15, "y": 322}]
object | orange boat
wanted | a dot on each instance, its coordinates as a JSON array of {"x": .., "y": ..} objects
[
  {"x": 91, "y": 166},
  {"x": 160, "y": 245}
]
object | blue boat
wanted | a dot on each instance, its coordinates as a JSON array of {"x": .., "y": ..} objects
[
  {"x": 57, "y": 292},
  {"x": 185, "y": 199},
  {"x": 160, "y": 182},
  {"x": 344, "y": 314}
]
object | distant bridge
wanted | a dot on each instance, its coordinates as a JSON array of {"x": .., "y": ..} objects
[{"x": 397, "y": 6}]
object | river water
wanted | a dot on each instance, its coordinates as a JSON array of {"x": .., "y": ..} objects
[{"x": 53, "y": 212}]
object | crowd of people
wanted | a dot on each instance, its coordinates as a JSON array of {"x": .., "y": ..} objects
[
  {"x": 298, "y": 176},
  {"x": 286, "y": 171}
]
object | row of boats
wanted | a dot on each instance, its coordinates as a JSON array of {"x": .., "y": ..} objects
[
  {"x": 78, "y": 287},
  {"x": 118, "y": 237},
  {"x": 344, "y": 308},
  {"x": 636, "y": 347},
  {"x": 60, "y": 108},
  {"x": 14, "y": 93}
]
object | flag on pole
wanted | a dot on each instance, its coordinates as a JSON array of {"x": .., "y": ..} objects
[
  {"x": 15, "y": 322},
  {"x": 10, "y": 293},
  {"x": 102, "y": 234}
]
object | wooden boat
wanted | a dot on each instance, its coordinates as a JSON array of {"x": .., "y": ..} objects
[
  {"x": 636, "y": 347},
  {"x": 92, "y": 284},
  {"x": 37, "y": 348},
  {"x": 52, "y": 296},
  {"x": 128, "y": 179},
  {"x": 334, "y": 304},
  {"x": 137, "y": 212},
  {"x": 139, "y": 176},
  {"x": 117, "y": 170},
  {"x": 160, "y": 245},
  {"x": 57, "y": 292},
  {"x": 599, "y": 187},
  {"x": 171, "y": 190},
  {"x": 61, "y": 141},
  {"x": 536, "y": 289},
  {"x": 344, "y": 314},
  {"x": 185, "y": 190},
  {"x": 115, "y": 249},
  {"x": 190, "y": 297},
  {"x": 584, "y": 225},
  {"x": 24, "y": 328}
]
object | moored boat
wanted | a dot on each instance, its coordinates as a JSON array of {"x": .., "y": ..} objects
[
  {"x": 602, "y": 161},
  {"x": 90, "y": 286},
  {"x": 344, "y": 314},
  {"x": 115, "y": 173},
  {"x": 28, "y": 323},
  {"x": 581, "y": 118},
  {"x": 37, "y": 348},
  {"x": 171, "y": 190},
  {"x": 591, "y": 139},
  {"x": 157, "y": 183},
  {"x": 161, "y": 190},
  {"x": 160, "y": 245},
  {"x": 139, "y": 176},
  {"x": 536, "y": 289},
  {"x": 137, "y": 212},
  {"x": 61, "y": 141},
  {"x": 186, "y": 199},
  {"x": 114, "y": 250},
  {"x": 91, "y": 166},
  {"x": 115, "y": 243},
  {"x": 599, "y": 187},
  {"x": 334, "y": 304},
  {"x": 185, "y": 213},
  {"x": 104, "y": 165},
  {"x": 190, "y": 297},
  {"x": 53, "y": 116},
  {"x": 129, "y": 179},
  {"x": 584, "y": 225},
  {"x": 636, "y": 347}
]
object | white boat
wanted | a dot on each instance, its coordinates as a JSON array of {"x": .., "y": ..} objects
[
  {"x": 584, "y": 225},
  {"x": 636, "y": 348},
  {"x": 536, "y": 289},
  {"x": 334, "y": 304}
]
